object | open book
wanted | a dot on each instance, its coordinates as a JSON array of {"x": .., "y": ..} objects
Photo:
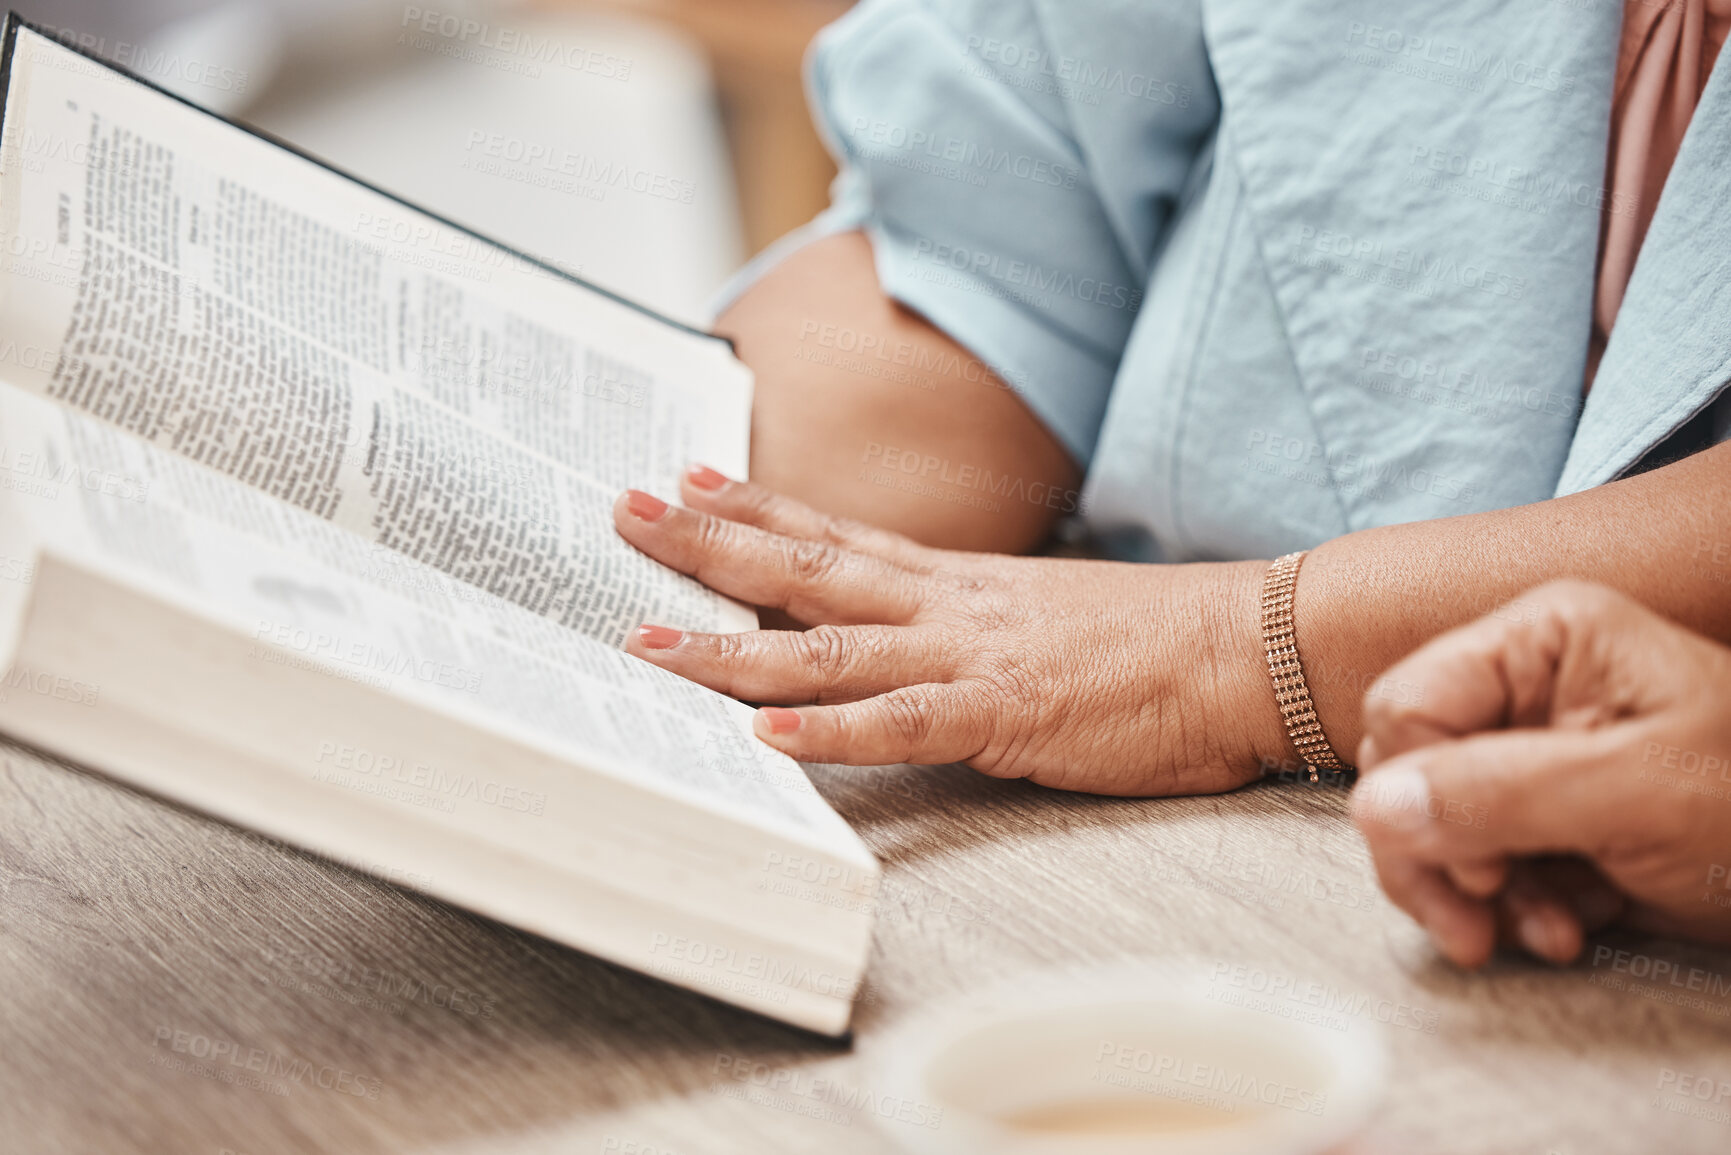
[{"x": 305, "y": 521}]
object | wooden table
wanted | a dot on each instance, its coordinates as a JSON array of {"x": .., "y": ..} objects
[{"x": 134, "y": 935}]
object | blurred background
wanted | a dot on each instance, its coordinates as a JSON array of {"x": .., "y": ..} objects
[{"x": 651, "y": 146}]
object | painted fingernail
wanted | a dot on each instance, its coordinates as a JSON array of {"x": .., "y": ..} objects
[
  {"x": 706, "y": 478},
  {"x": 645, "y": 506},
  {"x": 781, "y": 721},
  {"x": 1540, "y": 933},
  {"x": 1397, "y": 797},
  {"x": 659, "y": 637}
]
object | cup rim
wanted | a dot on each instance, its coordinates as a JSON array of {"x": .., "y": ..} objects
[{"x": 907, "y": 1055}]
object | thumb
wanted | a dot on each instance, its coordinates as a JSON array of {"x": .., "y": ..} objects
[
  {"x": 1452, "y": 814},
  {"x": 1492, "y": 795}
]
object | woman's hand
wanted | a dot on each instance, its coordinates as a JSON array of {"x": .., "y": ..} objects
[
  {"x": 1082, "y": 675},
  {"x": 1569, "y": 764}
]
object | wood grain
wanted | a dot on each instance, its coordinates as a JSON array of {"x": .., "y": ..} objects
[{"x": 124, "y": 920}]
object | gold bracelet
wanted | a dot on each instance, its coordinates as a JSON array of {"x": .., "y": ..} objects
[{"x": 1280, "y": 640}]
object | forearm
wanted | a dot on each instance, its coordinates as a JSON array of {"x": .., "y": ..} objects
[
  {"x": 1367, "y": 599},
  {"x": 864, "y": 409}
]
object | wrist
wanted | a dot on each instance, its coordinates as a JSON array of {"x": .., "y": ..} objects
[
  {"x": 1339, "y": 634},
  {"x": 1257, "y": 740}
]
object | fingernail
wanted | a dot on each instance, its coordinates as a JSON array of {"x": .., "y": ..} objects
[
  {"x": 1368, "y": 754},
  {"x": 706, "y": 478},
  {"x": 1397, "y": 797},
  {"x": 659, "y": 637},
  {"x": 645, "y": 506},
  {"x": 781, "y": 721},
  {"x": 1540, "y": 934}
]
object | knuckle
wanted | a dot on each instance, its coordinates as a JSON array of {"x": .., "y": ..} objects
[
  {"x": 908, "y": 717},
  {"x": 812, "y": 562},
  {"x": 988, "y": 616},
  {"x": 964, "y": 580},
  {"x": 1576, "y": 601},
  {"x": 731, "y": 650},
  {"x": 842, "y": 531},
  {"x": 824, "y": 650},
  {"x": 971, "y": 598},
  {"x": 712, "y": 537},
  {"x": 862, "y": 571}
]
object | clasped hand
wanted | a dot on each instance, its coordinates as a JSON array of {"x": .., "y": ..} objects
[{"x": 1567, "y": 766}]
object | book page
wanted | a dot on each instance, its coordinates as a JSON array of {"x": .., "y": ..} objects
[
  {"x": 227, "y": 300},
  {"x": 309, "y": 595}
]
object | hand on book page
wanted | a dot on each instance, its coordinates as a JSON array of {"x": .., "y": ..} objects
[
  {"x": 198, "y": 639},
  {"x": 1072, "y": 673},
  {"x": 308, "y": 595},
  {"x": 315, "y": 494}
]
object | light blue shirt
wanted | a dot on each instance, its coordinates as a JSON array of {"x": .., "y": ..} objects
[{"x": 1277, "y": 272}]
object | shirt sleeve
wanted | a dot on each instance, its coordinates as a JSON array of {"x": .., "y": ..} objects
[{"x": 1016, "y": 164}]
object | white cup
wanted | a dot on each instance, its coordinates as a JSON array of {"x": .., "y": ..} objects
[{"x": 1121, "y": 1061}]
